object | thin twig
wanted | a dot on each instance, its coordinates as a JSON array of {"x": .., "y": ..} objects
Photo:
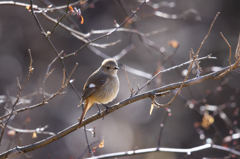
[
  {"x": 37, "y": 130},
  {"x": 96, "y": 44},
  {"x": 230, "y": 49},
  {"x": 47, "y": 73},
  {"x": 59, "y": 20},
  {"x": 207, "y": 34},
  {"x": 235, "y": 65}
]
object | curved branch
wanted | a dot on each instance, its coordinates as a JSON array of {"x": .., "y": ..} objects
[{"x": 163, "y": 90}]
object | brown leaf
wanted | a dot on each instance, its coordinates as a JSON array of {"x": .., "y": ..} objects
[
  {"x": 71, "y": 9},
  {"x": 101, "y": 145},
  {"x": 81, "y": 19},
  {"x": 173, "y": 43},
  {"x": 28, "y": 7},
  {"x": 34, "y": 135},
  {"x": 207, "y": 120}
]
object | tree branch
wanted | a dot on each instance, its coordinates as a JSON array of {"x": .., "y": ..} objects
[
  {"x": 163, "y": 149},
  {"x": 163, "y": 90}
]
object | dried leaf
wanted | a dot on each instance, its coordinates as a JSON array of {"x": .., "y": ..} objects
[
  {"x": 34, "y": 135},
  {"x": 81, "y": 19},
  {"x": 101, "y": 145},
  {"x": 173, "y": 43},
  {"x": 151, "y": 109},
  {"x": 28, "y": 7},
  {"x": 71, "y": 9},
  {"x": 207, "y": 120}
]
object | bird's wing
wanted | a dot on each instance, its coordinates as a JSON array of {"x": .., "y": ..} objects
[{"x": 94, "y": 82}]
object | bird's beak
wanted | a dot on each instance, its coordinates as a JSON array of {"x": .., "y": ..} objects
[{"x": 116, "y": 68}]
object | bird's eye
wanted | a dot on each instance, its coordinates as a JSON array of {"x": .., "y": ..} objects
[{"x": 108, "y": 68}]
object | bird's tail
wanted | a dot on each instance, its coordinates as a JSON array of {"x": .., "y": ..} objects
[{"x": 87, "y": 106}]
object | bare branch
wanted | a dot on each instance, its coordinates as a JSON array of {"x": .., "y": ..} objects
[
  {"x": 160, "y": 91},
  {"x": 230, "y": 49},
  {"x": 207, "y": 34},
  {"x": 188, "y": 151},
  {"x": 37, "y": 130},
  {"x": 95, "y": 44},
  {"x": 172, "y": 68}
]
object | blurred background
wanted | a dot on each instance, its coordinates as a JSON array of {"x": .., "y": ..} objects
[{"x": 185, "y": 24}]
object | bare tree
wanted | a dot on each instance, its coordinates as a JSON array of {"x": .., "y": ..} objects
[{"x": 177, "y": 59}]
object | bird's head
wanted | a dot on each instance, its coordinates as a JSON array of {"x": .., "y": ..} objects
[{"x": 110, "y": 67}]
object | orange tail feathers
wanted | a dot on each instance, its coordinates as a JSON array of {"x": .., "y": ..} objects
[{"x": 87, "y": 106}]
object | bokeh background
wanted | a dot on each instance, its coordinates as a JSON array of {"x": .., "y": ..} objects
[{"x": 130, "y": 127}]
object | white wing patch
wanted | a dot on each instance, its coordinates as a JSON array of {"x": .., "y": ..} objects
[{"x": 92, "y": 85}]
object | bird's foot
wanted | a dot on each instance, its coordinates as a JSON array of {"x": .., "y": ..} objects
[{"x": 107, "y": 107}]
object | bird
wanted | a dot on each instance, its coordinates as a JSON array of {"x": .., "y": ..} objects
[{"x": 101, "y": 87}]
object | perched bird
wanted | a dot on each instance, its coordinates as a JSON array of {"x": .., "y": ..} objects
[{"x": 101, "y": 87}]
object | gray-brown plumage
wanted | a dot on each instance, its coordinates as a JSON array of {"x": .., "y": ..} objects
[{"x": 101, "y": 87}]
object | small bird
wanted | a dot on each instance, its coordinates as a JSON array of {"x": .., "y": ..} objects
[{"x": 101, "y": 87}]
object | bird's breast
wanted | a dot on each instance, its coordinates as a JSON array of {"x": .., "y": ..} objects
[{"x": 108, "y": 92}]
